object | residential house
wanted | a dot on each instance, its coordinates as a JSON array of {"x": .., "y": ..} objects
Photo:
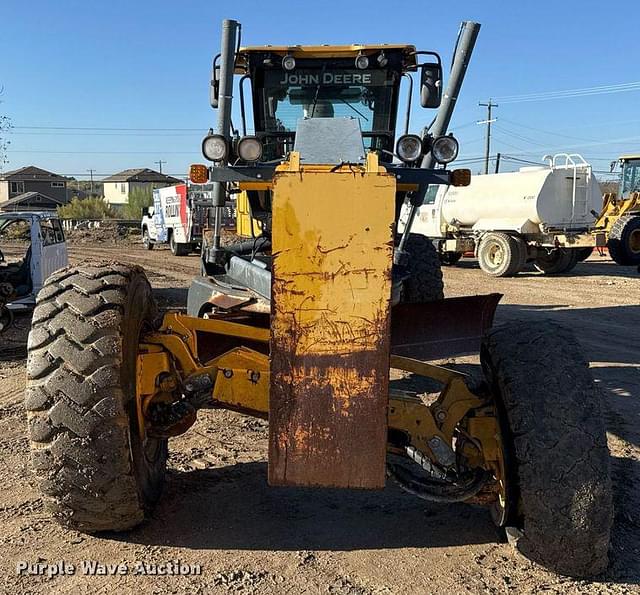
[
  {"x": 32, "y": 179},
  {"x": 117, "y": 187},
  {"x": 30, "y": 201}
]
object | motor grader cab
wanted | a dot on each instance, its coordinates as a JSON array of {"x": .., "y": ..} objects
[
  {"x": 304, "y": 325},
  {"x": 620, "y": 215}
]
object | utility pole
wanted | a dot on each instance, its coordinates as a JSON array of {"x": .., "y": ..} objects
[
  {"x": 498, "y": 155},
  {"x": 91, "y": 176},
  {"x": 160, "y": 162},
  {"x": 489, "y": 105}
]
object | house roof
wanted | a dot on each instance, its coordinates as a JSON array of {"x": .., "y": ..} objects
[
  {"x": 33, "y": 199},
  {"x": 142, "y": 174},
  {"x": 31, "y": 172}
]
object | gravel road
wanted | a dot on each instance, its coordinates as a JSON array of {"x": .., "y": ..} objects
[{"x": 218, "y": 513}]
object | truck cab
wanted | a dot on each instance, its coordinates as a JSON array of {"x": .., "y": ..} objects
[
  {"x": 175, "y": 218},
  {"x": 32, "y": 247}
]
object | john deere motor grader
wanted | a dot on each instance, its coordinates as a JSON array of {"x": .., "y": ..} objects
[{"x": 303, "y": 324}]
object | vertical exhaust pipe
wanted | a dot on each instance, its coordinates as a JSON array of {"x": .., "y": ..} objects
[
  {"x": 223, "y": 125},
  {"x": 462, "y": 55}
]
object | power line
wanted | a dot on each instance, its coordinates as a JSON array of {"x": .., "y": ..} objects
[
  {"x": 109, "y": 128},
  {"x": 547, "y": 131},
  {"x": 570, "y": 93},
  {"x": 153, "y": 152}
]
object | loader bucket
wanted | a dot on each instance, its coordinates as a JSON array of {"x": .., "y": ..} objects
[
  {"x": 330, "y": 321},
  {"x": 443, "y": 329}
]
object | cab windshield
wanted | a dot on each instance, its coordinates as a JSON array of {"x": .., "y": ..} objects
[
  {"x": 368, "y": 96},
  {"x": 631, "y": 176}
]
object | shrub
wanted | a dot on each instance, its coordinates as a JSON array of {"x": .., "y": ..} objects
[
  {"x": 138, "y": 199},
  {"x": 94, "y": 207}
]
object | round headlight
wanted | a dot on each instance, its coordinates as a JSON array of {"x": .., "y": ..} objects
[
  {"x": 444, "y": 149},
  {"x": 214, "y": 147},
  {"x": 288, "y": 62},
  {"x": 409, "y": 147},
  {"x": 249, "y": 148},
  {"x": 362, "y": 62}
]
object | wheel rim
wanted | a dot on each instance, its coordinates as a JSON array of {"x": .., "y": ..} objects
[
  {"x": 634, "y": 241},
  {"x": 495, "y": 255}
]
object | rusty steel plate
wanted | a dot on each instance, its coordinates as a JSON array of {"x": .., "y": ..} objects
[{"x": 333, "y": 248}]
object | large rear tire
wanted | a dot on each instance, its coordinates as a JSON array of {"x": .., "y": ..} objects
[
  {"x": 500, "y": 255},
  {"x": 425, "y": 283},
  {"x": 624, "y": 240},
  {"x": 556, "y": 448},
  {"x": 94, "y": 470}
]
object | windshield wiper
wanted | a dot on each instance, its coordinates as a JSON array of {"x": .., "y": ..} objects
[{"x": 354, "y": 109}]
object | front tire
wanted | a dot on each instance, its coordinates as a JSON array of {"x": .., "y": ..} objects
[
  {"x": 624, "y": 241},
  {"x": 557, "y": 456},
  {"x": 95, "y": 471},
  {"x": 146, "y": 240}
]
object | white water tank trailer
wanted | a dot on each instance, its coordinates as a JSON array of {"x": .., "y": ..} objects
[{"x": 542, "y": 214}]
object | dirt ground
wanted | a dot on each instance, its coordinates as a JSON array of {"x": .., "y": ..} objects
[{"x": 217, "y": 511}]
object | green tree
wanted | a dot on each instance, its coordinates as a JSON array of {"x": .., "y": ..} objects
[
  {"x": 138, "y": 199},
  {"x": 94, "y": 207}
]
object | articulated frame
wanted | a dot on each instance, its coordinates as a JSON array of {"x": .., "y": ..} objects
[{"x": 170, "y": 374}]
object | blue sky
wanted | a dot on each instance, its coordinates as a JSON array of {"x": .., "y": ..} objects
[{"x": 124, "y": 64}]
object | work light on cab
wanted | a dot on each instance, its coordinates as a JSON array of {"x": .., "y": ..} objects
[
  {"x": 409, "y": 147},
  {"x": 249, "y": 148},
  {"x": 444, "y": 149},
  {"x": 214, "y": 147},
  {"x": 288, "y": 62},
  {"x": 362, "y": 62}
]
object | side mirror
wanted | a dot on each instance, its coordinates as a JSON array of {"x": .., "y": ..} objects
[
  {"x": 214, "y": 89},
  {"x": 145, "y": 211},
  {"x": 431, "y": 84}
]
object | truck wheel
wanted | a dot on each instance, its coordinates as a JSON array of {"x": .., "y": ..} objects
[
  {"x": 146, "y": 240},
  {"x": 555, "y": 261},
  {"x": 176, "y": 248},
  {"x": 624, "y": 240},
  {"x": 450, "y": 258},
  {"x": 555, "y": 444},
  {"x": 95, "y": 471},
  {"x": 425, "y": 283},
  {"x": 500, "y": 255}
]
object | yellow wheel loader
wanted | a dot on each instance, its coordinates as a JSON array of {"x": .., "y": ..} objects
[
  {"x": 620, "y": 215},
  {"x": 303, "y": 324}
]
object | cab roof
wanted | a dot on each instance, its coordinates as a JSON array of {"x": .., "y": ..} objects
[
  {"x": 627, "y": 157},
  {"x": 325, "y": 51}
]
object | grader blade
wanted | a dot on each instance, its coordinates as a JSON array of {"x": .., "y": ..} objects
[
  {"x": 333, "y": 247},
  {"x": 442, "y": 329}
]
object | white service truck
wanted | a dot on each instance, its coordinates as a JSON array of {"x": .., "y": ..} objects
[
  {"x": 541, "y": 214},
  {"x": 176, "y": 217}
]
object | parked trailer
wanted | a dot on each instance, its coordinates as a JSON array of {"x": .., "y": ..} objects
[
  {"x": 177, "y": 217},
  {"x": 541, "y": 214}
]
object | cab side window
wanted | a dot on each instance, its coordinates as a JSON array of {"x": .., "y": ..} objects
[{"x": 51, "y": 232}]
